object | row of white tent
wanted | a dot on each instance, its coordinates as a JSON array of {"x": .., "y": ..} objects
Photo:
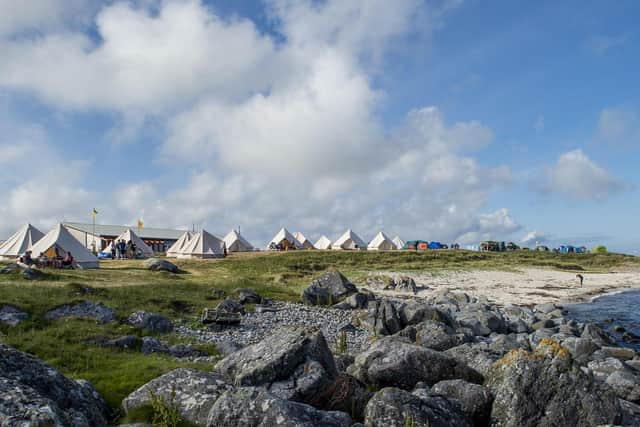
[
  {"x": 58, "y": 241},
  {"x": 349, "y": 240}
]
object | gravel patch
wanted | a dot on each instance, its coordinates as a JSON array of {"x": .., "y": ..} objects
[{"x": 255, "y": 326}]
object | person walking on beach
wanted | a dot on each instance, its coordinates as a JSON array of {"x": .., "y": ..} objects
[{"x": 580, "y": 278}]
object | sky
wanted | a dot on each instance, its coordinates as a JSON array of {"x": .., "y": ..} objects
[{"x": 448, "y": 120}]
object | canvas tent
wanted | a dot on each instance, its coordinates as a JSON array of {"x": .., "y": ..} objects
[
  {"x": 323, "y": 243},
  {"x": 59, "y": 238},
  {"x": 141, "y": 246},
  {"x": 179, "y": 245},
  {"x": 381, "y": 243},
  {"x": 306, "y": 244},
  {"x": 398, "y": 242},
  {"x": 285, "y": 240},
  {"x": 349, "y": 241},
  {"x": 203, "y": 245},
  {"x": 21, "y": 241},
  {"x": 236, "y": 243}
]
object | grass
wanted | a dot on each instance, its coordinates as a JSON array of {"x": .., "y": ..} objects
[{"x": 126, "y": 287}]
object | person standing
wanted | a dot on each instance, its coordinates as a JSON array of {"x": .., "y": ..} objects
[{"x": 113, "y": 250}]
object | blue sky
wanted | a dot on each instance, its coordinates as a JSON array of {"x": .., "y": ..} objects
[{"x": 446, "y": 120}]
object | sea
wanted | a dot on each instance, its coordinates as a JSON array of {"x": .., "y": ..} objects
[{"x": 618, "y": 313}]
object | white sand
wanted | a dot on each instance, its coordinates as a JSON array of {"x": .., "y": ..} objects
[{"x": 527, "y": 286}]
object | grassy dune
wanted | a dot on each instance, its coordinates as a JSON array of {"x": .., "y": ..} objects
[{"x": 126, "y": 287}]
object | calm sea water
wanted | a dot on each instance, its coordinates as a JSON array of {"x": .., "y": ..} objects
[{"x": 609, "y": 311}]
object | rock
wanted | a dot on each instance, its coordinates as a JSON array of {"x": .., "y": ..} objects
[
  {"x": 343, "y": 361},
  {"x": 155, "y": 264},
  {"x": 447, "y": 298},
  {"x": 151, "y": 345},
  {"x": 293, "y": 363},
  {"x": 414, "y": 312},
  {"x": 34, "y": 393},
  {"x": 598, "y": 336},
  {"x": 359, "y": 300},
  {"x": 151, "y": 322},
  {"x": 630, "y": 413},
  {"x": 127, "y": 342},
  {"x": 342, "y": 306},
  {"x": 620, "y": 353},
  {"x": 220, "y": 317},
  {"x": 406, "y": 284},
  {"x": 581, "y": 348},
  {"x": 33, "y": 274},
  {"x": 476, "y": 400},
  {"x": 263, "y": 308},
  {"x": 256, "y": 407},
  {"x": 626, "y": 385},
  {"x": 248, "y": 296},
  {"x": 392, "y": 407},
  {"x": 83, "y": 310},
  {"x": 438, "y": 336},
  {"x": 194, "y": 392},
  {"x": 602, "y": 368},
  {"x": 630, "y": 337},
  {"x": 10, "y": 315},
  {"x": 328, "y": 289},
  {"x": 518, "y": 326},
  {"x": 218, "y": 293},
  {"x": 346, "y": 394},
  {"x": 230, "y": 305},
  {"x": 383, "y": 318},
  {"x": 546, "y": 388},
  {"x": 10, "y": 268},
  {"x": 481, "y": 320},
  {"x": 226, "y": 348},
  {"x": 543, "y": 324},
  {"x": 479, "y": 356},
  {"x": 544, "y": 308},
  {"x": 390, "y": 362}
]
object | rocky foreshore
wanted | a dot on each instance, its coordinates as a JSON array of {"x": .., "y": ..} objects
[{"x": 447, "y": 360}]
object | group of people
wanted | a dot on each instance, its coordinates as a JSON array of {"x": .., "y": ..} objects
[
  {"x": 44, "y": 261},
  {"x": 124, "y": 250}
]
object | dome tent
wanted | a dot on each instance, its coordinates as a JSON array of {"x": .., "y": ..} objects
[
  {"x": 236, "y": 243},
  {"x": 179, "y": 245}
]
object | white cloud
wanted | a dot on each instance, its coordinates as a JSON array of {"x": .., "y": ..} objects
[
  {"x": 534, "y": 237},
  {"x": 618, "y": 126},
  {"x": 576, "y": 176},
  {"x": 18, "y": 17},
  {"x": 269, "y": 130}
]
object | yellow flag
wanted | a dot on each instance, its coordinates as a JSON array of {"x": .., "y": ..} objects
[
  {"x": 95, "y": 212},
  {"x": 140, "y": 223}
]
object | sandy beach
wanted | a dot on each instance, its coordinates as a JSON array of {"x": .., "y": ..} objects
[{"x": 524, "y": 287}]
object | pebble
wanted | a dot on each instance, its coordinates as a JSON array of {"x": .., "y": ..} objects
[{"x": 257, "y": 325}]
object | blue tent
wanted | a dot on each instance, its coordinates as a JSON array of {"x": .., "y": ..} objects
[
  {"x": 567, "y": 249},
  {"x": 435, "y": 245}
]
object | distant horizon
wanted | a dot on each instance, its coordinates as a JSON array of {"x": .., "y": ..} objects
[{"x": 447, "y": 120}]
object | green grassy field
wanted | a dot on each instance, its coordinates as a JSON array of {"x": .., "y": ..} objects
[{"x": 126, "y": 287}]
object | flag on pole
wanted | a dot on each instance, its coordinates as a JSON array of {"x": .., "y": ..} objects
[
  {"x": 95, "y": 212},
  {"x": 140, "y": 224}
]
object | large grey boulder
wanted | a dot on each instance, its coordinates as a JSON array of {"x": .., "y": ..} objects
[
  {"x": 346, "y": 394},
  {"x": 194, "y": 393},
  {"x": 256, "y": 407},
  {"x": 248, "y": 296},
  {"x": 383, "y": 318},
  {"x": 438, "y": 336},
  {"x": 83, "y": 310},
  {"x": 626, "y": 384},
  {"x": 391, "y": 362},
  {"x": 481, "y": 320},
  {"x": 478, "y": 355},
  {"x": 581, "y": 348},
  {"x": 33, "y": 393},
  {"x": 151, "y": 322},
  {"x": 474, "y": 399},
  {"x": 156, "y": 264},
  {"x": 10, "y": 315},
  {"x": 546, "y": 388},
  {"x": 293, "y": 363},
  {"x": 393, "y": 407},
  {"x": 597, "y": 335},
  {"x": 328, "y": 289},
  {"x": 414, "y": 312}
]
